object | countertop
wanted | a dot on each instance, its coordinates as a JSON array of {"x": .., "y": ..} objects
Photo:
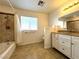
[{"x": 67, "y": 33}]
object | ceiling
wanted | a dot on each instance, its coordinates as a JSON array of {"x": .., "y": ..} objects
[{"x": 49, "y": 6}]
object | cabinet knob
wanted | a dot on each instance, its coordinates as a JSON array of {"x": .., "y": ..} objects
[
  {"x": 63, "y": 48},
  {"x": 72, "y": 43}
]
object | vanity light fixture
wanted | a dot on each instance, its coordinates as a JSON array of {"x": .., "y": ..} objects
[{"x": 74, "y": 4}]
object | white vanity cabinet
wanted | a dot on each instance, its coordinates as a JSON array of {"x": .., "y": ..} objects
[
  {"x": 75, "y": 47},
  {"x": 62, "y": 43},
  {"x": 65, "y": 44}
]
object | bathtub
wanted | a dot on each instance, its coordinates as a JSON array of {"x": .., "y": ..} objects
[{"x": 6, "y": 49}]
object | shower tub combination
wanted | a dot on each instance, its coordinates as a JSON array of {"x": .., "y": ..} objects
[{"x": 6, "y": 49}]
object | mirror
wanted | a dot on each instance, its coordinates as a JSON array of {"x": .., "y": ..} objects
[{"x": 70, "y": 17}]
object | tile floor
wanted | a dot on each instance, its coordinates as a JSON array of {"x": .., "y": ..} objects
[{"x": 36, "y": 51}]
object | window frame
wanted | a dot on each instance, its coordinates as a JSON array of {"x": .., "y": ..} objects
[{"x": 29, "y": 30}]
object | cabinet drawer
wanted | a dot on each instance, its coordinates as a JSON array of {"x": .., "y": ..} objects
[
  {"x": 56, "y": 35},
  {"x": 75, "y": 38},
  {"x": 64, "y": 41},
  {"x": 65, "y": 36},
  {"x": 65, "y": 50}
]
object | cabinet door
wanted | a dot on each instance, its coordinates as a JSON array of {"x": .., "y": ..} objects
[
  {"x": 56, "y": 42},
  {"x": 75, "y": 48},
  {"x": 65, "y": 40},
  {"x": 53, "y": 38},
  {"x": 67, "y": 51}
]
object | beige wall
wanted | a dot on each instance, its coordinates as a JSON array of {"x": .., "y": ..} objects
[
  {"x": 55, "y": 15},
  {"x": 30, "y": 37},
  {"x": 36, "y": 36},
  {"x": 6, "y": 9}
]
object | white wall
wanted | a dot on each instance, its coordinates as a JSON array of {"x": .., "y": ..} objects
[
  {"x": 32, "y": 37},
  {"x": 54, "y": 20}
]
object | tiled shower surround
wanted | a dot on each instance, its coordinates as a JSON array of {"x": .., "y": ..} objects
[{"x": 6, "y": 27}]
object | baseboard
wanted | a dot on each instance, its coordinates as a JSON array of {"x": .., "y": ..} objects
[{"x": 24, "y": 43}]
